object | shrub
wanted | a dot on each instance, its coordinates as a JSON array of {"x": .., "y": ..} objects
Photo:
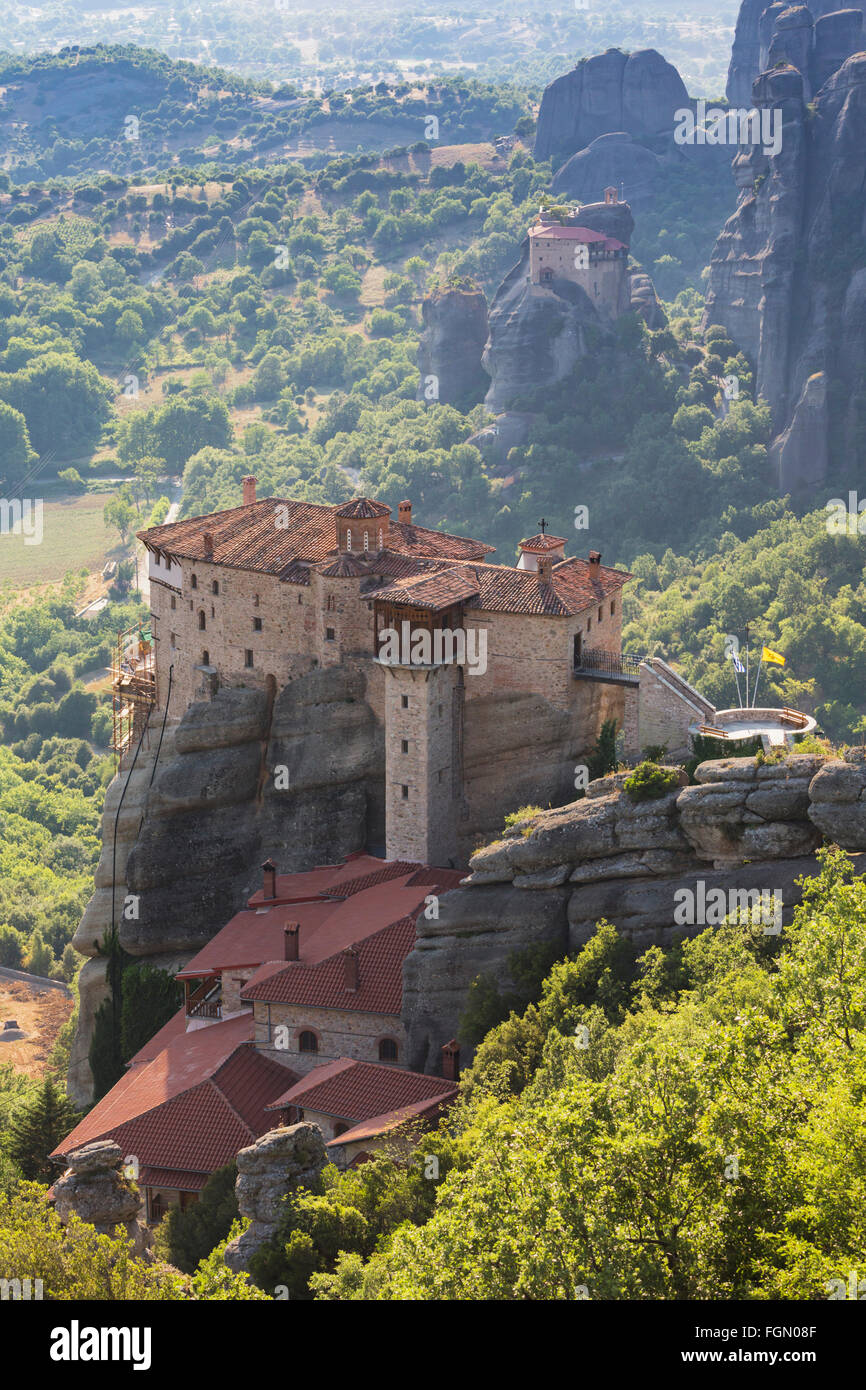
[{"x": 648, "y": 782}]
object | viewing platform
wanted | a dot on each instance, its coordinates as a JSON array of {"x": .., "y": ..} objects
[
  {"x": 593, "y": 664},
  {"x": 776, "y": 728}
]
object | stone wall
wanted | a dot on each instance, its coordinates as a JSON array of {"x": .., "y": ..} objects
[
  {"x": 341, "y": 1033},
  {"x": 744, "y": 826}
]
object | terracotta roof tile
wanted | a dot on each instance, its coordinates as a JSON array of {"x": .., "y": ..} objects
[
  {"x": 323, "y": 986},
  {"x": 541, "y": 543},
  {"x": 575, "y": 586},
  {"x": 363, "y": 507},
  {"x": 357, "y": 1091},
  {"x": 172, "y": 1177},
  {"x": 391, "y": 1119},
  {"x": 433, "y": 591},
  {"x": 272, "y": 535}
]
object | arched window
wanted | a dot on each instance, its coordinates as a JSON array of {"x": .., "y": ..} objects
[
  {"x": 308, "y": 1042},
  {"x": 349, "y": 538},
  {"x": 205, "y": 658},
  {"x": 387, "y": 1050},
  {"x": 340, "y": 1128},
  {"x": 215, "y": 587},
  {"x": 366, "y": 540},
  {"x": 330, "y": 603},
  {"x": 381, "y": 538},
  {"x": 202, "y": 621},
  {"x": 194, "y": 581}
]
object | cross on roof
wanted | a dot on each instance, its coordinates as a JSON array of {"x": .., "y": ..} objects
[{"x": 543, "y": 523}]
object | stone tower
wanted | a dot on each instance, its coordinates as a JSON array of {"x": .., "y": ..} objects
[{"x": 423, "y": 761}]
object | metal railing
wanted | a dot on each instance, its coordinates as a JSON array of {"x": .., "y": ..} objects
[{"x": 593, "y": 659}]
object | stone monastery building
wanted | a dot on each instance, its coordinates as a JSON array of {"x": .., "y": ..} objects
[{"x": 490, "y": 681}]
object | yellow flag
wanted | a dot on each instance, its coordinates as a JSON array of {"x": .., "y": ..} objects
[{"x": 774, "y": 659}]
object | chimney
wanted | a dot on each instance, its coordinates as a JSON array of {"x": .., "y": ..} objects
[
  {"x": 249, "y": 490},
  {"x": 404, "y": 512},
  {"x": 291, "y": 940},
  {"x": 351, "y": 972},
  {"x": 208, "y": 543},
  {"x": 451, "y": 1060},
  {"x": 269, "y": 880},
  {"x": 595, "y": 558},
  {"x": 545, "y": 568}
]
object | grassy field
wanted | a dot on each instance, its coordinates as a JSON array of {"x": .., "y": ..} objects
[{"x": 74, "y": 537}]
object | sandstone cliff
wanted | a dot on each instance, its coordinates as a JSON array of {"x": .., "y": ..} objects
[
  {"x": 94, "y": 1187},
  {"x": 787, "y": 273},
  {"x": 453, "y": 338},
  {"x": 280, "y": 1162},
  {"x": 815, "y": 39},
  {"x": 637, "y": 93},
  {"x": 743, "y": 826}
]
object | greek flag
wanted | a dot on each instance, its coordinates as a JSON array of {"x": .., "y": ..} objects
[{"x": 738, "y": 665}]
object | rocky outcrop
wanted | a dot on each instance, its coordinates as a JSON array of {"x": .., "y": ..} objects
[
  {"x": 94, "y": 1187},
  {"x": 744, "y": 828},
  {"x": 817, "y": 39},
  {"x": 280, "y": 1162},
  {"x": 453, "y": 338},
  {"x": 838, "y": 803},
  {"x": 192, "y": 830},
  {"x": 637, "y": 93},
  {"x": 786, "y": 277},
  {"x": 614, "y": 160},
  {"x": 800, "y": 454},
  {"x": 645, "y": 301}
]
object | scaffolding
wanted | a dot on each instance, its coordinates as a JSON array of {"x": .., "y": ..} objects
[{"x": 133, "y": 688}]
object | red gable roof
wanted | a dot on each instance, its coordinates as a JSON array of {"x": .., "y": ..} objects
[
  {"x": 381, "y": 1124},
  {"x": 380, "y": 974},
  {"x": 357, "y": 1091},
  {"x": 556, "y": 231},
  {"x": 203, "y": 1098}
]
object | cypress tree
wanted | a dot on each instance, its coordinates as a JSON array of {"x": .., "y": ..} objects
[{"x": 37, "y": 1128}]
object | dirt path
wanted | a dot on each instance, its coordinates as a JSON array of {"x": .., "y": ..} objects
[{"x": 40, "y": 1013}]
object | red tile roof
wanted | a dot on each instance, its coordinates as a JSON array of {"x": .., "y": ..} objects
[
  {"x": 358, "y": 1091},
  {"x": 363, "y": 507},
  {"x": 541, "y": 543},
  {"x": 198, "y": 1102},
  {"x": 348, "y": 908},
  {"x": 433, "y": 591},
  {"x": 575, "y": 586},
  {"x": 557, "y": 232},
  {"x": 171, "y": 1177},
  {"x": 381, "y": 1124},
  {"x": 323, "y": 986},
  {"x": 271, "y": 536}
]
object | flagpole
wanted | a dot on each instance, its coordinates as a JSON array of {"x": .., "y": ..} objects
[
  {"x": 747, "y": 662},
  {"x": 757, "y": 678},
  {"x": 737, "y": 680}
]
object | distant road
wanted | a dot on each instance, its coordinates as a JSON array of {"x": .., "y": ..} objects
[{"x": 35, "y": 981}]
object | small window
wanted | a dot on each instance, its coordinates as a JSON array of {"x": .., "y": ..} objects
[
  {"x": 300, "y": 598},
  {"x": 173, "y": 640},
  {"x": 173, "y": 602},
  {"x": 212, "y": 611},
  {"x": 330, "y": 634},
  {"x": 308, "y": 1042},
  {"x": 202, "y": 624},
  {"x": 366, "y": 540},
  {"x": 205, "y": 658},
  {"x": 612, "y": 606},
  {"x": 340, "y": 1128},
  {"x": 248, "y": 658},
  {"x": 599, "y": 615},
  {"x": 404, "y": 792},
  {"x": 330, "y": 603},
  {"x": 349, "y": 538},
  {"x": 589, "y": 625},
  {"x": 404, "y": 747},
  {"x": 387, "y": 1050},
  {"x": 215, "y": 587},
  {"x": 404, "y": 701},
  {"x": 194, "y": 581},
  {"x": 255, "y": 600},
  {"x": 440, "y": 711},
  {"x": 257, "y": 624},
  {"x": 381, "y": 538}
]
